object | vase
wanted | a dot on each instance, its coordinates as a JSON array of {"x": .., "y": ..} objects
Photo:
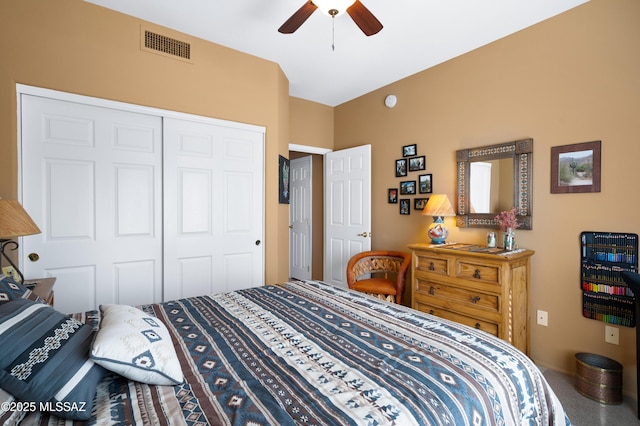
[{"x": 509, "y": 239}]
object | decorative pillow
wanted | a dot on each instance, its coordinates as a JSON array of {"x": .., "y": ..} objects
[
  {"x": 45, "y": 359},
  {"x": 10, "y": 290},
  {"x": 136, "y": 345}
]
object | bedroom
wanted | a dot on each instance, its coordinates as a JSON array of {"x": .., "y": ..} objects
[{"x": 573, "y": 78}]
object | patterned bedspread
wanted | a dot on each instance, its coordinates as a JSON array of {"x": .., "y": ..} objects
[{"x": 312, "y": 354}]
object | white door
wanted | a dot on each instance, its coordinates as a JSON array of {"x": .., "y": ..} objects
[
  {"x": 347, "y": 214},
  {"x": 300, "y": 217},
  {"x": 91, "y": 180},
  {"x": 91, "y": 176},
  {"x": 213, "y": 208}
]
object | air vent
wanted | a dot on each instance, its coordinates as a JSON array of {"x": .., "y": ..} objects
[{"x": 158, "y": 43}]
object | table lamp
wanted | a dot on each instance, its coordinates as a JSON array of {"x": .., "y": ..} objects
[
  {"x": 438, "y": 207},
  {"x": 14, "y": 222}
]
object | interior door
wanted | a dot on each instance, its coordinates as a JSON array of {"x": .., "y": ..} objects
[
  {"x": 347, "y": 209},
  {"x": 213, "y": 208},
  {"x": 300, "y": 217},
  {"x": 91, "y": 180}
]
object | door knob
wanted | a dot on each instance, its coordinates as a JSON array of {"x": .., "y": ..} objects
[
  {"x": 364, "y": 234},
  {"x": 258, "y": 242},
  {"x": 34, "y": 257}
]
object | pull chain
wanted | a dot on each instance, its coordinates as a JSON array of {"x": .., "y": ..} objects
[
  {"x": 333, "y": 34},
  {"x": 333, "y": 13}
]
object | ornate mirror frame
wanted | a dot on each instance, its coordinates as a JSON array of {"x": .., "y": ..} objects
[{"x": 522, "y": 153}]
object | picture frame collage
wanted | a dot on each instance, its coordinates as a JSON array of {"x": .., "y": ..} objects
[{"x": 409, "y": 163}]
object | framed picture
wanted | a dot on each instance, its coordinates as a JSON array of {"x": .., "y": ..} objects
[
  {"x": 405, "y": 206},
  {"x": 283, "y": 180},
  {"x": 401, "y": 167},
  {"x": 419, "y": 203},
  {"x": 416, "y": 163},
  {"x": 425, "y": 184},
  {"x": 393, "y": 196},
  {"x": 408, "y": 187},
  {"x": 575, "y": 168},
  {"x": 409, "y": 150}
]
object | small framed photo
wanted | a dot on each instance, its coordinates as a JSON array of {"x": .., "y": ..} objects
[
  {"x": 575, "y": 168},
  {"x": 408, "y": 187},
  {"x": 405, "y": 206},
  {"x": 419, "y": 203},
  {"x": 283, "y": 180},
  {"x": 416, "y": 163},
  {"x": 401, "y": 167},
  {"x": 425, "y": 184},
  {"x": 392, "y": 196},
  {"x": 409, "y": 150}
]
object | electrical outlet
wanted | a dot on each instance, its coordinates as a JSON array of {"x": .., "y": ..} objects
[
  {"x": 611, "y": 335},
  {"x": 542, "y": 318},
  {"x": 9, "y": 271}
]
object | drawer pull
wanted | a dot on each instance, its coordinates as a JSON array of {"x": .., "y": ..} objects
[
  {"x": 476, "y": 274},
  {"x": 475, "y": 299},
  {"x": 432, "y": 267},
  {"x": 477, "y": 326},
  {"x": 432, "y": 290}
]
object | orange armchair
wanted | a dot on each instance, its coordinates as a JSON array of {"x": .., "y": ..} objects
[{"x": 380, "y": 273}]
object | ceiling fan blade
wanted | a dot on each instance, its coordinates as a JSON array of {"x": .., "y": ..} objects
[
  {"x": 364, "y": 19},
  {"x": 298, "y": 18}
]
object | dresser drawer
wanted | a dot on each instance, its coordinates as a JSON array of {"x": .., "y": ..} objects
[
  {"x": 458, "y": 295},
  {"x": 476, "y": 272},
  {"x": 431, "y": 264},
  {"x": 479, "y": 324}
]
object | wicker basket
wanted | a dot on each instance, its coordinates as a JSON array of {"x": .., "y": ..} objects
[{"x": 599, "y": 378}]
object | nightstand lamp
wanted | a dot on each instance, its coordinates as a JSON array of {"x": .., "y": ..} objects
[
  {"x": 438, "y": 207},
  {"x": 14, "y": 222}
]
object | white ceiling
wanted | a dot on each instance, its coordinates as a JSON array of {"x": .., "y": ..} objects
[{"x": 417, "y": 35}]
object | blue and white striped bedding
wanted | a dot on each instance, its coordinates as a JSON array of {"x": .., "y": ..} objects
[{"x": 313, "y": 354}]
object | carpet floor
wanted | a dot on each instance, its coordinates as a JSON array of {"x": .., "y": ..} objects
[{"x": 583, "y": 411}]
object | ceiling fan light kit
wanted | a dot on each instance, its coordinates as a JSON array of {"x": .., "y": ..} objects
[{"x": 333, "y": 7}]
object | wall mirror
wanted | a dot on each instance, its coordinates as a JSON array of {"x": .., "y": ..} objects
[{"x": 492, "y": 179}]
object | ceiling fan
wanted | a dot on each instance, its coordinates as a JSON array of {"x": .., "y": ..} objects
[{"x": 363, "y": 18}]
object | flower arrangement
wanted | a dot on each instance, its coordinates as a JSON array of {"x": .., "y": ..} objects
[{"x": 508, "y": 219}]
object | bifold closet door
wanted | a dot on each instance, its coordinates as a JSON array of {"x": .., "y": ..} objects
[
  {"x": 213, "y": 208},
  {"x": 91, "y": 180}
]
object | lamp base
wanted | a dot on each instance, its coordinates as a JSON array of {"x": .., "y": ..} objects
[{"x": 437, "y": 231}]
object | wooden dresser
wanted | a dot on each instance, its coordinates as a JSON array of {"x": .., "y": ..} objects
[{"x": 480, "y": 287}]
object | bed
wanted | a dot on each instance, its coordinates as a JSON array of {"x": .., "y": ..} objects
[{"x": 311, "y": 353}]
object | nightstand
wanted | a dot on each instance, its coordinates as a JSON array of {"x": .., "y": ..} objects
[{"x": 42, "y": 287}]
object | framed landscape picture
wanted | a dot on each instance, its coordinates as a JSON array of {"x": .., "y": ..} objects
[{"x": 576, "y": 168}]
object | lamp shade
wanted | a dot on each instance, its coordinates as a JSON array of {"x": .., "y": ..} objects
[
  {"x": 14, "y": 220},
  {"x": 439, "y": 206}
]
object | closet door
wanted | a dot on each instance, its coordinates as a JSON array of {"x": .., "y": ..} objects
[
  {"x": 213, "y": 207},
  {"x": 91, "y": 180}
]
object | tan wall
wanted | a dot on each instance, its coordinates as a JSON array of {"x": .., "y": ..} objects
[
  {"x": 74, "y": 46},
  {"x": 573, "y": 78}
]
